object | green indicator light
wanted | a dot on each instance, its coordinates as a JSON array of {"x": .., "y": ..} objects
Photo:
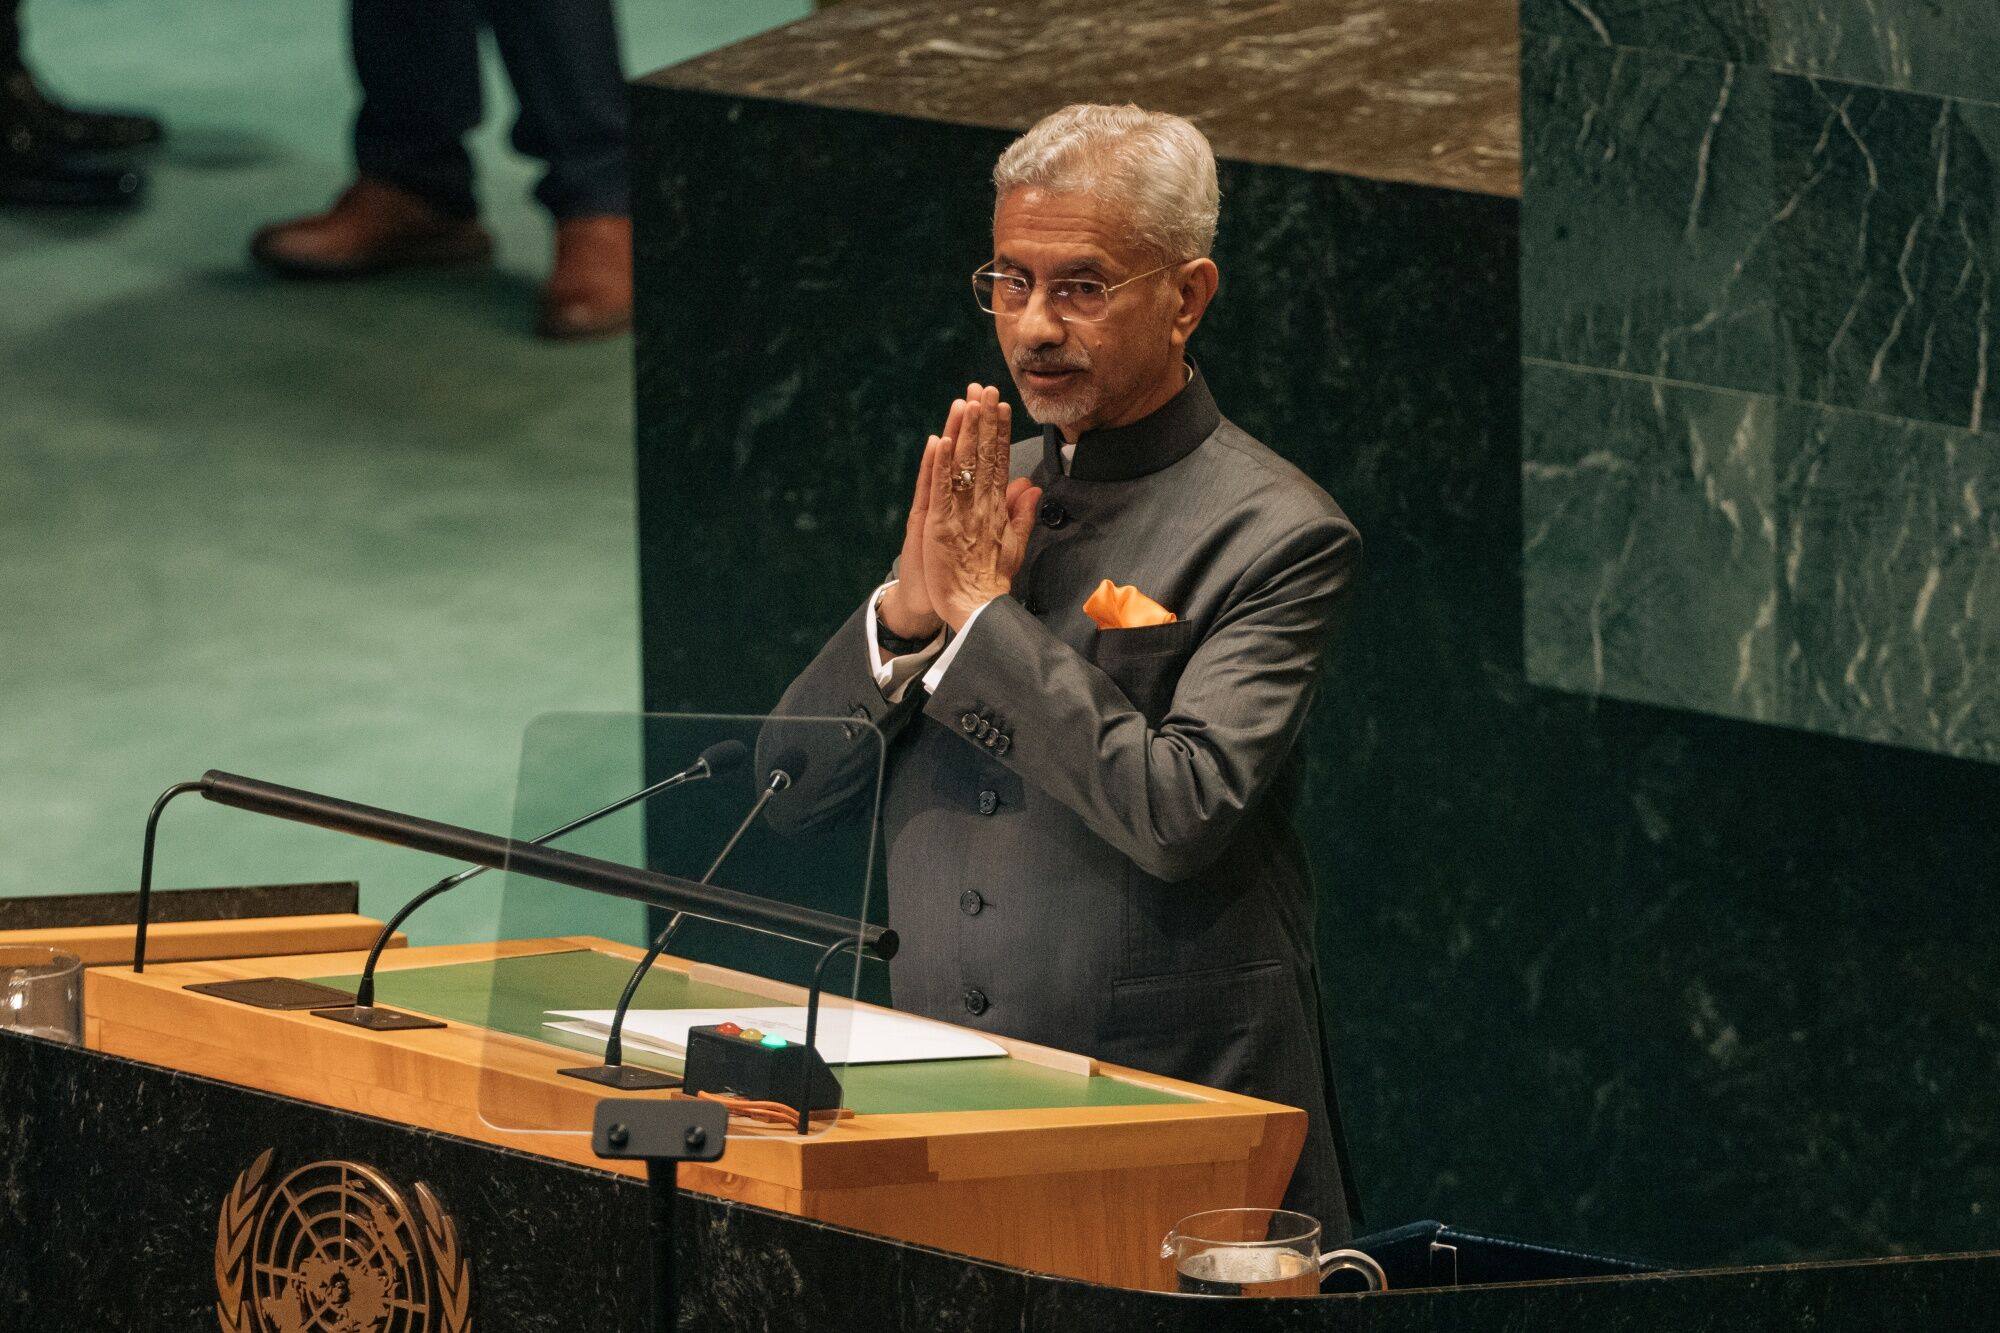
[{"x": 774, "y": 1041}]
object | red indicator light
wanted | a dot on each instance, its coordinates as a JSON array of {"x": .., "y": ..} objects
[{"x": 727, "y": 1029}]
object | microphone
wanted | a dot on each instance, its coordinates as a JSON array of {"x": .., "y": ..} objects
[
  {"x": 791, "y": 766},
  {"x": 717, "y": 760}
]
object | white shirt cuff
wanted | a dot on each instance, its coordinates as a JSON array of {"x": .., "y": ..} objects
[
  {"x": 935, "y": 676},
  {"x": 894, "y": 674}
]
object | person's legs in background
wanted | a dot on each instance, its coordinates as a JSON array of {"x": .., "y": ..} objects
[
  {"x": 418, "y": 65},
  {"x": 47, "y": 149},
  {"x": 417, "y": 62},
  {"x": 562, "y": 57}
]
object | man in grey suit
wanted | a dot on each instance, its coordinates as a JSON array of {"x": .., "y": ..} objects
[{"x": 1087, "y": 813}]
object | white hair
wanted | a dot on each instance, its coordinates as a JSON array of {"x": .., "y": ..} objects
[{"x": 1159, "y": 166}]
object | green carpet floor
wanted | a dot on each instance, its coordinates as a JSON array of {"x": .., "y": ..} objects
[{"x": 348, "y": 537}]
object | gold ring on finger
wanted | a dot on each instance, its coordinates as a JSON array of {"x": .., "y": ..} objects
[{"x": 961, "y": 480}]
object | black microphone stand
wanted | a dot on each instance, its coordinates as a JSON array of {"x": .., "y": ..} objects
[
  {"x": 146, "y": 870},
  {"x": 662, "y": 1134},
  {"x": 614, "y": 1073}
]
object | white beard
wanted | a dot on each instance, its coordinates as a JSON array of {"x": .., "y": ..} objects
[{"x": 1059, "y": 409}]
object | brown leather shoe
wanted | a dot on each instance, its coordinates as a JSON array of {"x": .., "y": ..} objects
[
  {"x": 372, "y": 227},
  {"x": 589, "y": 293}
]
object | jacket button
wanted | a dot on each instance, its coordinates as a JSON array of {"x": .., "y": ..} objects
[
  {"x": 988, "y": 802},
  {"x": 975, "y": 1001},
  {"x": 968, "y": 723},
  {"x": 1004, "y": 744},
  {"x": 1053, "y": 514},
  {"x": 969, "y": 903}
]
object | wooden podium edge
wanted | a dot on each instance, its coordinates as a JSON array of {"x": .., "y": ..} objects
[{"x": 201, "y": 941}]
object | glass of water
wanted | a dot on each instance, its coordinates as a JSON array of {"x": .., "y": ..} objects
[
  {"x": 1257, "y": 1252},
  {"x": 41, "y": 992}
]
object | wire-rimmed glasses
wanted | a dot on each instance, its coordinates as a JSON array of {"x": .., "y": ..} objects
[{"x": 1071, "y": 299}]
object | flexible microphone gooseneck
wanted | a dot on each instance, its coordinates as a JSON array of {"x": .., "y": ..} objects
[
  {"x": 717, "y": 760},
  {"x": 789, "y": 768}
]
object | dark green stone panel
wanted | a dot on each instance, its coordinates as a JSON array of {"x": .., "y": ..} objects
[
  {"x": 1942, "y": 47},
  {"x": 1720, "y": 224},
  {"x": 1634, "y": 978},
  {"x": 1815, "y": 258},
  {"x": 1887, "y": 250},
  {"x": 1650, "y": 542},
  {"x": 1735, "y": 30},
  {"x": 1892, "y": 580},
  {"x": 1646, "y": 214},
  {"x": 1753, "y": 558},
  {"x": 1619, "y": 22}
]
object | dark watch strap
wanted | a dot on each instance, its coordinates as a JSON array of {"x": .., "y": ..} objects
[{"x": 895, "y": 644}]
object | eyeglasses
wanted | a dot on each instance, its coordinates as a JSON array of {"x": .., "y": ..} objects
[{"x": 1072, "y": 299}]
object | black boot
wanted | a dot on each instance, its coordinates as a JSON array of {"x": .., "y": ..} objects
[
  {"x": 31, "y": 173},
  {"x": 67, "y": 129}
]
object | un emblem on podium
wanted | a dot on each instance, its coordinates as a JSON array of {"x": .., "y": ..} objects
[{"x": 335, "y": 1247}]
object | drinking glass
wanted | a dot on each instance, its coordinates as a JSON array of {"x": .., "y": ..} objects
[
  {"x": 41, "y": 992},
  {"x": 1257, "y": 1252}
]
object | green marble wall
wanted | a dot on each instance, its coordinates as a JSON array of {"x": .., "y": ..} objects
[
  {"x": 1758, "y": 264},
  {"x": 1632, "y": 978}
]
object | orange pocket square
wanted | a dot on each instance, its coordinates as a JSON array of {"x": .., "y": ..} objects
[{"x": 1115, "y": 606}]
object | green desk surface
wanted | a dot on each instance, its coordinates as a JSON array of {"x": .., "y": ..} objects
[{"x": 513, "y": 995}]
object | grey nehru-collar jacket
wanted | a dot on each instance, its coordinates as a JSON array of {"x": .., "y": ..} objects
[{"x": 1089, "y": 831}]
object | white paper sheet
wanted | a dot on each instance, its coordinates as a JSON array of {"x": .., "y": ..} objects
[
  {"x": 845, "y": 1037},
  {"x": 632, "y": 1043}
]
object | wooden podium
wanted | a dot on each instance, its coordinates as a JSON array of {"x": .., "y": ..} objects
[{"x": 1040, "y": 1159}]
